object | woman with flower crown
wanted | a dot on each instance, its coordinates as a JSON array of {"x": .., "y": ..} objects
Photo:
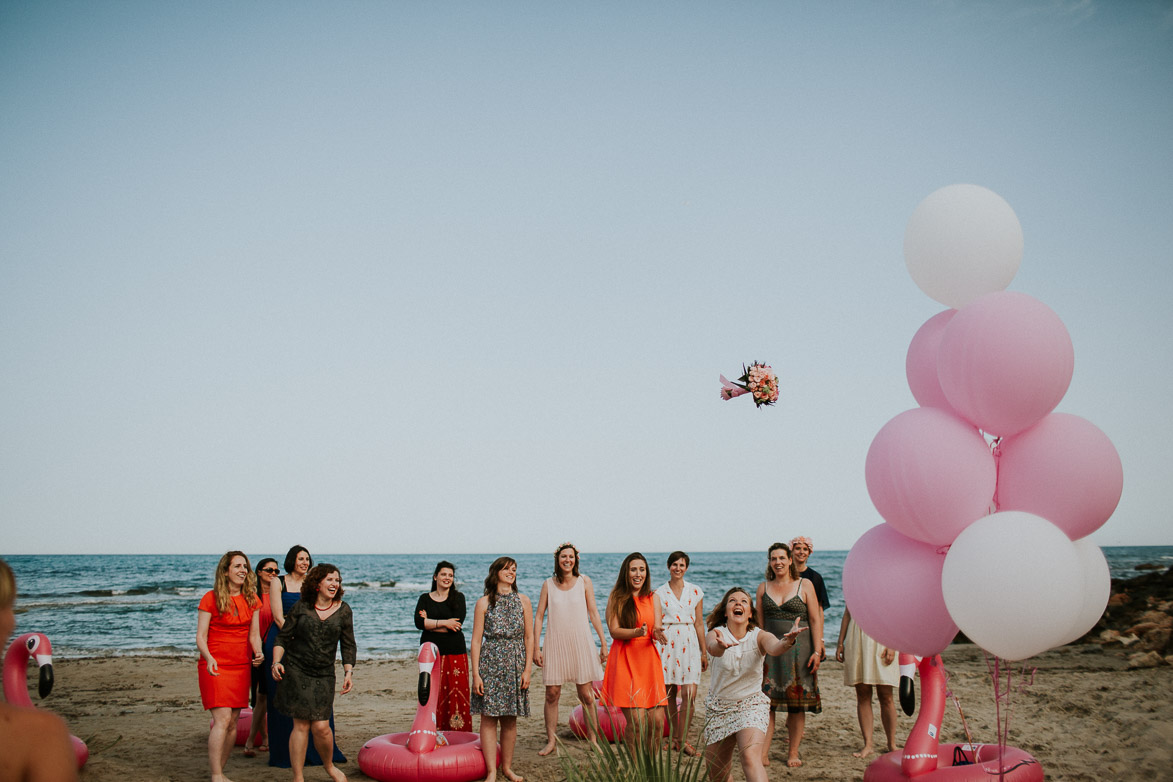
[{"x": 568, "y": 655}]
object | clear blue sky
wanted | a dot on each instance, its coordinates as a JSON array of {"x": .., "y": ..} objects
[{"x": 427, "y": 277}]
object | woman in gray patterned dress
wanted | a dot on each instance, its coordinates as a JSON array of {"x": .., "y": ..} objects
[
  {"x": 502, "y": 647},
  {"x": 303, "y": 664},
  {"x": 792, "y": 680}
]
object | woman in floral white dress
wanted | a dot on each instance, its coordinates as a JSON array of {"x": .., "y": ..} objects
[{"x": 683, "y": 654}]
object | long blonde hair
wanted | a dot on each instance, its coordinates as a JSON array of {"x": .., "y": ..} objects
[{"x": 220, "y": 587}]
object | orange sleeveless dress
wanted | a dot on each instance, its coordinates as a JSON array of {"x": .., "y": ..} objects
[{"x": 635, "y": 675}]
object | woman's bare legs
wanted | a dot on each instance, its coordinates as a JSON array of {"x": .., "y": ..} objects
[
  {"x": 749, "y": 742},
  {"x": 887, "y": 714},
  {"x": 489, "y": 746},
  {"x": 719, "y": 759},
  {"x": 863, "y": 709},
  {"x": 682, "y": 721},
  {"x": 550, "y": 712},
  {"x": 299, "y": 739},
  {"x": 221, "y": 740},
  {"x": 769, "y": 738},
  {"x": 508, "y": 742},
  {"x": 673, "y": 715},
  {"x": 256, "y": 731},
  {"x": 795, "y": 724},
  {"x": 590, "y": 711}
]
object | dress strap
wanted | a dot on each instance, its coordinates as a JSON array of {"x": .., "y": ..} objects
[{"x": 798, "y": 590}]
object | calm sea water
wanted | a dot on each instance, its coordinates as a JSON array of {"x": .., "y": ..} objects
[{"x": 124, "y": 604}]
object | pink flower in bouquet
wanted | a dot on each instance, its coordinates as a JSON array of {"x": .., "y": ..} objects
[{"x": 757, "y": 379}]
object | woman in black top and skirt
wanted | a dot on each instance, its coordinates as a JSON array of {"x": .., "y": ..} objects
[
  {"x": 303, "y": 664},
  {"x": 440, "y": 614}
]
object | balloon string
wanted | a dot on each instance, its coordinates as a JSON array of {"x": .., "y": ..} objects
[
  {"x": 957, "y": 702},
  {"x": 996, "y": 674}
]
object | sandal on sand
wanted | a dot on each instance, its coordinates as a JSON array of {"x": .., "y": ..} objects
[
  {"x": 262, "y": 748},
  {"x": 249, "y": 752}
]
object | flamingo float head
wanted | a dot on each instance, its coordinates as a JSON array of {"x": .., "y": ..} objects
[{"x": 30, "y": 646}]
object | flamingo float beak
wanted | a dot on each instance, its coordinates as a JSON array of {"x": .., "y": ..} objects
[
  {"x": 427, "y": 660},
  {"x": 45, "y": 680}
]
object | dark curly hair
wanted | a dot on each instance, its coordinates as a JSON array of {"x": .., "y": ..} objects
[{"x": 314, "y": 579}]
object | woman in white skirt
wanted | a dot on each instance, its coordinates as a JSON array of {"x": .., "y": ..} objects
[
  {"x": 866, "y": 664},
  {"x": 736, "y": 710}
]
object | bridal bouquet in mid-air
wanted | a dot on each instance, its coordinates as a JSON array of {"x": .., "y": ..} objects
[{"x": 757, "y": 379}]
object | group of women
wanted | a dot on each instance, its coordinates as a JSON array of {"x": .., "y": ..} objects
[
  {"x": 763, "y": 651},
  {"x": 278, "y": 645}
]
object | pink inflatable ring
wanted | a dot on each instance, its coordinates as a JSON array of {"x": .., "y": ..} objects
[{"x": 923, "y": 759}]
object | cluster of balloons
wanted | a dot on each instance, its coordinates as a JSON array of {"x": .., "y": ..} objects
[{"x": 987, "y": 495}]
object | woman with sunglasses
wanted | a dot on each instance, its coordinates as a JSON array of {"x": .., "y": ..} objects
[
  {"x": 257, "y": 735},
  {"x": 284, "y": 592},
  {"x": 736, "y": 710}
]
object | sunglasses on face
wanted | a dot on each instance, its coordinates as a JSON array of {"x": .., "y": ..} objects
[{"x": 270, "y": 570}]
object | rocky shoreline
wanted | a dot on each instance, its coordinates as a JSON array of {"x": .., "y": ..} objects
[{"x": 1138, "y": 622}]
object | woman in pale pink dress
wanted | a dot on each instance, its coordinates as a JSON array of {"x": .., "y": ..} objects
[{"x": 568, "y": 654}]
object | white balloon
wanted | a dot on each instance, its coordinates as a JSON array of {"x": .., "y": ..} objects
[
  {"x": 961, "y": 242},
  {"x": 1097, "y": 588},
  {"x": 1014, "y": 583}
]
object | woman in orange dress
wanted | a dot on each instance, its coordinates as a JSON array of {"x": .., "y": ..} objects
[
  {"x": 228, "y": 636},
  {"x": 634, "y": 680}
]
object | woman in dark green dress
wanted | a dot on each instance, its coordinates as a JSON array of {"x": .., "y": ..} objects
[
  {"x": 792, "y": 681},
  {"x": 303, "y": 664}
]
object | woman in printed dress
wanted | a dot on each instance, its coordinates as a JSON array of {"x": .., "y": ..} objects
[
  {"x": 792, "y": 680},
  {"x": 683, "y": 654},
  {"x": 736, "y": 709},
  {"x": 502, "y": 650},
  {"x": 569, "y": 655}
]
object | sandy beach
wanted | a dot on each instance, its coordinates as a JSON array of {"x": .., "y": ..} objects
[{"x": 1085, "y": 717}]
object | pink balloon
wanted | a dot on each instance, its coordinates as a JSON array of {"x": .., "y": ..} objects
[
  {"x": 920, "y": 365},
  {"x": 1005, "y": 361},
  {"x": 930, "y": 474},
  {"x": 1064, "y": 469},
  {"x": 892, "y": 585}
]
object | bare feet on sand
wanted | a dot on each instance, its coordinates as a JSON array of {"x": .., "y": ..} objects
[
  {"x": 794, "y": 761},
  {"x": 546, "y": 750},
  {"x": 863, "y": 753},
  {"x": 508, "y": 772}
]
